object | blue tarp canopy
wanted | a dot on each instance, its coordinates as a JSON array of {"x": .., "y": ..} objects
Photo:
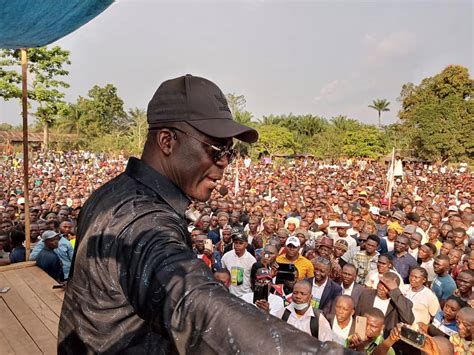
[{"x": 36, "y": 23}]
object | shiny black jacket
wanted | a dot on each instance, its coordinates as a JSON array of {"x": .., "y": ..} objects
[{"x": 137, "y": 288}]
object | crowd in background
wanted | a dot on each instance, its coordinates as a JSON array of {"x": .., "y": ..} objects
[{"x": 326, "y": 241}]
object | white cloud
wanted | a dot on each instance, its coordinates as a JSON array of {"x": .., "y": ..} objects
[
  {"x": 332, "y": 91},
  {"x": 393, "y": 46}
]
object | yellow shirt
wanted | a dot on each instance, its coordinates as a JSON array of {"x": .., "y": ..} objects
[{"x": 304, "y": 266}]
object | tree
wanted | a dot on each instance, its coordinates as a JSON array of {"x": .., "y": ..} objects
[
  {"x": 138, "y": 129},
  {"x": 365, "y": 142},
  {"x": 380, "y": 105},
  {"x": 102, "y": 112},
  {"x": 440, "y": 114},
  {"x": 46, "y": 68},
  {"x": 275, "y": 140},
  {"x": 343, "y": 124}
]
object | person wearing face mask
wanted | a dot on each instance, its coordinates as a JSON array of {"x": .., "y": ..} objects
[{"x": 302, "y": 316}]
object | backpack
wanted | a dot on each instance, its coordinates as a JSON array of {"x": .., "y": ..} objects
[{"x": 313, "y": 323}]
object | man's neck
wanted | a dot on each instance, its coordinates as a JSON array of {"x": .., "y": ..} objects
[
  {"x": 301, "y": 312},
  {"x": 292, "y": 258},
  {"x": 344, "y": 324},
  {"x": 240, "y": 254},
  {"x": 445, "y": 273},
  {"x": 373, "y": 254},
  {"x": 400, "y": 254},
  {"x": 320, "y": 283},
  {"x": 346, "y": 287}
]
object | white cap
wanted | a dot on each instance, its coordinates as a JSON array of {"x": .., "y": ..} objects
[
  {"x": 293, "y": 241},
  {"x": 374, "y": 210},
  {"x": 464, "y": 206},
  {"x": 21, "y": 200},
  {"x": 453, "y": 208}
]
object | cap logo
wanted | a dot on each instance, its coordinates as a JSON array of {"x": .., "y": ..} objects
[{"x": 222, "y": 100}]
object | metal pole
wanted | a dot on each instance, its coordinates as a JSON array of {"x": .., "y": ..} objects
[{"x": 24, "y": 102}]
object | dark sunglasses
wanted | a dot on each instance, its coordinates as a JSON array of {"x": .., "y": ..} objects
[{"x": 219, "y": 152}]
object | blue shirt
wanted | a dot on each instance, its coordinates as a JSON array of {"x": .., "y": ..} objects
[
  {"x": 64, "y": 252},
  {"x": 49, "y": 262},
  {"x": 403, "y": 265},
  {"x": 18, "y": 255},
  {"x": 443, "y": 286}
]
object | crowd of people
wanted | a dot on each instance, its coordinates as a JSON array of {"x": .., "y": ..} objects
[{"x": 321, "y": 246}]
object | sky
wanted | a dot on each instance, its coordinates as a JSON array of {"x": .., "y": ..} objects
[{"x": 325, "y": 58}]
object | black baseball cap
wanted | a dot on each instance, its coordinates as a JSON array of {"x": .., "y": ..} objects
[{"x": 200, "y": 103}]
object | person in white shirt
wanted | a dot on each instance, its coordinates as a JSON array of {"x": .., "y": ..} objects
[
  {"x": 343, "y": 323},
  {"x": 426, "y": 253},
  {"x": 415, "y": 243},
  {"x": 384, "y": 265},
  {"x": 425, "y": 302},
  {"x": 263, "y": 278},
  {"x": 302, "y": 316},
  {"x": 239, "y": 263}
]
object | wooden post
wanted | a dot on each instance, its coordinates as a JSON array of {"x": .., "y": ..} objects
[{"x": 24, "y": 102}]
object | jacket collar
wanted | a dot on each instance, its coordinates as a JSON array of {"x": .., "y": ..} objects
[{"x": 173, "y": 196}]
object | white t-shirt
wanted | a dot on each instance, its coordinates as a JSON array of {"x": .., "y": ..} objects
[
  {"x": 381, "y": 304},
  {"x": 425, "y": 303},
  {"x": 239, "y": 268},
  {"x": 276, "y": 303},
  {"x": 340, "y": 335},
  {"x": 317, "y": 293},
  {"x": 428, "y": 266},
  {"x": 303, "y": 322},
  {"x": 390, "y": 245}
]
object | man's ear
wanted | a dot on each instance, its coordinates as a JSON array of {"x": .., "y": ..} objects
[{"x": 166, "y": 139}]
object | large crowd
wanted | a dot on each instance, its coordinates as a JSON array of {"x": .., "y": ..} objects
[{"x": 327, "y": 248}]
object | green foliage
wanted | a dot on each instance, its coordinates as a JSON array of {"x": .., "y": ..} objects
[
  {"x": 46, "y": 68},
  {"x": 440, "y": 114},
  {"x": 276, "y": 140},
  {"x": 364, "y": 142},
  {"x": 101, "y": 112}
]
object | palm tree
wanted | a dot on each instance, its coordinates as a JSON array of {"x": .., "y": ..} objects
[{"x": 380, "y": 105}]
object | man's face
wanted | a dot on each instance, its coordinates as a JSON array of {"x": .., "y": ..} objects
[
  {"x": 52, "y": 243},
  {"x": 34, "y": 231},
  {"x": 465, "y": 326},
  {"x": 371, "y": 247},
  {"x": 454, "y": 257},
  {"x": 374, "y": 327},
  {"x": 440, "y": 266},
  {"x": 301, "y": 294},
  {"x": 292, "y": 250},
  {"x": 344, "y": 310},
  {"x": 193, "y": 168},
  {"x": 383, "y": 265},
  {"x": 269, "y": 255},
  {"x": 342, "y": 232},
  {"x": 223, "y": 220},
  {"x": 62, "y": 215},
  {"x": 424, "y": 252},
  {"x": 65, "y": 228},
  {"x": 269, "y": 226},
  {"x": 458, "y": 238},
  {"x": 401, "y": 244},
  {"x": 446, "y": 248},
  {"x": 240, "y": 246},
  {"x": 348, "y": 276},
  {"x": 199, "y": 242},
  {"x": 321, "y": 271},
  {"x": 464, "y": 282},
  {"x": 205, "y": 222},
  {"x": 415, "y": 241}
]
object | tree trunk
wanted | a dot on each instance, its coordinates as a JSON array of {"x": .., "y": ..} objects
[
  {"x": 379, "y": 119},
  {"x": 45, "y": 137}
]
